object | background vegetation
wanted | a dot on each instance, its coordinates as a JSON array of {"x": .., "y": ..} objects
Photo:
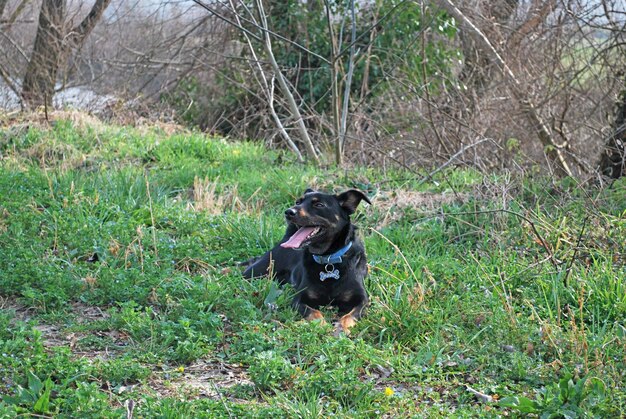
[
  {"x": 507, "y": 84},
  {"x": 120, "y": 293},
  {"x": 489, "y": 136}
]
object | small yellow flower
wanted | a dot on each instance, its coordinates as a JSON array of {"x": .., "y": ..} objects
[
  {"x": 388, "y": 391},
  {"x": 180, "y": 369}
]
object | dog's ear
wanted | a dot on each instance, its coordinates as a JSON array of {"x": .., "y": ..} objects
[{"x": 350, "y": 200}]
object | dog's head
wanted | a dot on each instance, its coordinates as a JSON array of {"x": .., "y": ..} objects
[{"x": 320, "y": 217}]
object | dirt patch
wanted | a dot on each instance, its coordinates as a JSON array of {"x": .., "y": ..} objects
[
  {"x": 87, "y": 313},
  {"x": 203, "y": 379},
  {"x": 53, "y": 335},
  {"x": 22, "y": 313}
]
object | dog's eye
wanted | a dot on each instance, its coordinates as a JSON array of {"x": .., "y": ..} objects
[
  {"x": 319, "y": 205},
  {"x": 298, "y": 201}
]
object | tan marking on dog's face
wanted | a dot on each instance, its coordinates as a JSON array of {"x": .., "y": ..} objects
[{"x": 302, "y": 213}]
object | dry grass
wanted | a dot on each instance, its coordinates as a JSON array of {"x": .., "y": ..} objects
[{"x": 207, "y": 198}]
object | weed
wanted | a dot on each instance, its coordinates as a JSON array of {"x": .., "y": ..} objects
[{"x": 563, "y": 399}]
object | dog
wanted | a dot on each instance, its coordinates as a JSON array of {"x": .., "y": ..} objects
[{"x": 321, "y": 256}]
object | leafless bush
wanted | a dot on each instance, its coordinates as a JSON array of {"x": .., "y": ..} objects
[
  {"x": 535, "y": 83},
  {"x": 562, "y": 65}
]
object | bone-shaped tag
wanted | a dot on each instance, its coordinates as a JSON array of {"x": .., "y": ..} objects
[{"x": 330, "y": 274}]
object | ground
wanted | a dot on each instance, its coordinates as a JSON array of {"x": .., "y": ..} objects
[{"x": 120, "y": 289}]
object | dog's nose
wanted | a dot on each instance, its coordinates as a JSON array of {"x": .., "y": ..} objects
[{"x": 290, "y": 213}]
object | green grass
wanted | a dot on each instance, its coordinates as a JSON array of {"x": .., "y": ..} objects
[{"x": 119, "y": 284}]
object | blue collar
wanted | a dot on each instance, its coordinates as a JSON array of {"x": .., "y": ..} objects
[{"x": 333, "y": 257}]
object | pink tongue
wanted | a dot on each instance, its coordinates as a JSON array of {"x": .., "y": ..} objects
[{"x": 298, "y": 237}]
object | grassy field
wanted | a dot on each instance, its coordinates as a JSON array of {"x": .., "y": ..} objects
[{"x": 120, "y": 292}]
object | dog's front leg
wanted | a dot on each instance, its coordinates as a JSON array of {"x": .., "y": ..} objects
[
  {"x": 306, "y": 311},
  {"x": 348, "y": 321}
]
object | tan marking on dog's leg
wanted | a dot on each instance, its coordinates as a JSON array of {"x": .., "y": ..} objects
[
  {"x": 316, "y": 315},
  {"x": 345, "y": 323}
]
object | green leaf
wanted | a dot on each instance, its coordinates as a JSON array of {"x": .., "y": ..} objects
[
  {"x": 34, "y": 383},
  {"x": 565, "y": 385},
  {"x": 43, "y": 403},
  {"x": 520, "y": 403},
  {"x": 12, "y": 400},
  {"x": 272, "y": 296},
  {"x": 569, "y": 414},
  {"x": 579, "y": 391}
]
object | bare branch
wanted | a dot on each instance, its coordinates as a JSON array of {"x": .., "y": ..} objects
[
  {"x": 7, "y": 80},
  {"x": 266, "y": 31},
  {"x": 18, "y": 11},
  {"x": 80, "y": 32},
  {"x": 528, "y": 107},
  {"x": 269, "y": 91},
  {"x": 347, "y": 86},
  {"x": 539, "y": 11},
  {"x": 295, "y": 111}
]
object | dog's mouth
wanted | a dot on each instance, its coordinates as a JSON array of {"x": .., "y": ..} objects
[{"x": 302, "y": 237}]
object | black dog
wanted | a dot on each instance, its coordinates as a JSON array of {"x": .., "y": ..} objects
[{"x": 321, "y": 256}]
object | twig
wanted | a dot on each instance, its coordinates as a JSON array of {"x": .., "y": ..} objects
[
  {"x": 269, "y": 91},
  {"x": 7, "y": 80},
  {"x": 263, "y": 28},
  {"x": 451, "y": 159},
  {"x": 18, "y": 10},
  {"x": 485, "y": 398},
  {"x": 347, "y": 87},
  {"x": 154, "y": 239},
  {"x": 515, "y": 87},
  {"x": 334, "y": 88},
  {"x": 571, "y": 261},
  {"x": 293, "y": 106},
  {"x": 426, "y": 86}
]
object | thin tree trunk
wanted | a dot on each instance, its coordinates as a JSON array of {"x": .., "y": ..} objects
[
  {"x": 268, "y": 90},
  {"x": 41, "y": 72},
  {"x": 334, "y": 88},
  {"x": 613, "y": 158},
  {"x": 347, "y": 87},
  {"x": 291, "y": 101},
  {"x": 52, "y": 48},
  {"x": 80, "y": 32},
  {"x": 3, "y": 4}
]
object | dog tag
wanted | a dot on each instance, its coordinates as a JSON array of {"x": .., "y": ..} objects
[{"x": 330, "y": 273}]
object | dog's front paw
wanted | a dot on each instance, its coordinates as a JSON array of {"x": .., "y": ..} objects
[
  {"x": 344, "y": 325},
  {"x": 316, "y": 315}
]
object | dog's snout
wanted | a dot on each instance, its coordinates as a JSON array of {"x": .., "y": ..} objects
[{"x": 290, "y": 213}]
